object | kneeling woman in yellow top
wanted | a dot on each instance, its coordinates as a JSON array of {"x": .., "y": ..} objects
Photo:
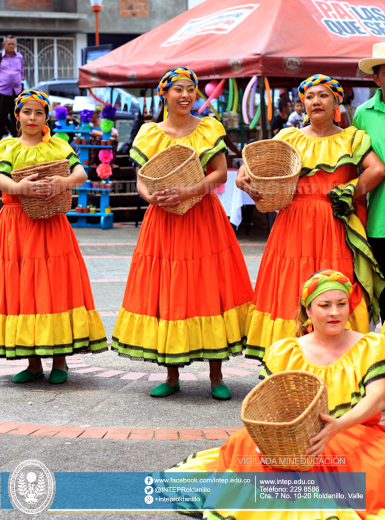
[
  {"x": 188, "y": 289},
  {"x": 353, "y": 368},
  {"x": 46, "y": 304}
]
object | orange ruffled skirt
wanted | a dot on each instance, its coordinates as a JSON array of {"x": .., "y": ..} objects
[
  {"x": 362, "y": 447},
  {"x": 188, "y": 289},
  {"x": 305, "y": 238},
  {"x": 46, "y": 303}
]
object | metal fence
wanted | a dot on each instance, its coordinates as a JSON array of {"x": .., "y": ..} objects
[{"x": 46, "y": 58}]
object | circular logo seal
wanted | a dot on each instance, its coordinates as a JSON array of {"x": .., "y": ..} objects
[
  {"x": 31, "y": 487},
  {"x": 236, "y": 64},
  {"x": 94, "y": 75},
  {"x": 292, "y": 65}
]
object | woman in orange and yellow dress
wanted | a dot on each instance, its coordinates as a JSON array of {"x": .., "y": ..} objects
[
  {"x": 353, "y": 367},
  {"x": 188, "y": 290},
  {"x": 324, "y": 226},
  {"x": 46, "y": 303}
]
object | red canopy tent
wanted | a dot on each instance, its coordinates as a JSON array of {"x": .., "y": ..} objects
[{"x": 230, "y": 38}]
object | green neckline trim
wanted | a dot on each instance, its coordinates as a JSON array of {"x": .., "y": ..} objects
[
  {"x": 355, "y": 158},
  {"x": 374, "y": 372},
  {"x": 205, "y": 157}
]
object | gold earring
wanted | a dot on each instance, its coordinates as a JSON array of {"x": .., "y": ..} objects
[{"x": 310, "y": 326}]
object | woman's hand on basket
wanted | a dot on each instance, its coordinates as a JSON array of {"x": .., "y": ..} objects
[
  {"x": 31, "y": 188},
  {"x": 243, "y": 183},
  {"x": 319, "y": 442},
  {"x": 57, "y": 185},
  {"x": 182, "y": 193},
  {"x": 172, "y": 197},
  {"x": 164, "y": 199}
]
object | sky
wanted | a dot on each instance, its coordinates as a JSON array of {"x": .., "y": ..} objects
[{"x": 193, "y": 3}]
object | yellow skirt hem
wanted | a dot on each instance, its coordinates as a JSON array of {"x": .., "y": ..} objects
[
  {"x": 180, "y": 342},
  {"x": 26, "y": 335}
]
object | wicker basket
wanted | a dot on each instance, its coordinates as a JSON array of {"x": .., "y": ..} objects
[
  {"x": 273, "y": 167},
  {"x": 281, "y": 415},
  {"x": 40, "y": 208},
  {"x": 177, "y": 165}
]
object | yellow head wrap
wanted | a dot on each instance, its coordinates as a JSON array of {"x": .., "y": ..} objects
[{"x": 42, "y": 98}]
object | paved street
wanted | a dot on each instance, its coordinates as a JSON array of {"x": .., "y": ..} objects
[{"x": 103, "y": 418}]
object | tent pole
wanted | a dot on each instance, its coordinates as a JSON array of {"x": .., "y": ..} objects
[
  {"x": 263, "y": 106},
  {"x": 242, "y": 125}
]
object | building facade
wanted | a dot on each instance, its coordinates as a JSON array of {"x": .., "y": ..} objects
[{"x": 52, "y": 33}]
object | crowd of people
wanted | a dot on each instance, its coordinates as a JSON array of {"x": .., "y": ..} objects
[
  {"x": 189, "y": 297},
  {"x": 292, "y": 113}
]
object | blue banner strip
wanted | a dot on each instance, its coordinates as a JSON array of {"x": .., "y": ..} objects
[{"x": 210, "y": 491}]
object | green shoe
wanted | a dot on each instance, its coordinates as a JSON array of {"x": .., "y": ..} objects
[
  {"x": 26, "y": 376},
  {"x": 164, "y": 390},
  {"x": 58, "y": 376},
  {"x": 221, "y": 392}
]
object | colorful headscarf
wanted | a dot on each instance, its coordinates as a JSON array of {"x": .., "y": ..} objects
[
  {"x": 42, "y": 98},
  {"x": 332, "y": 85},
  {"x": 173, "y": 75},
  {"x": 328, "y": 280}
]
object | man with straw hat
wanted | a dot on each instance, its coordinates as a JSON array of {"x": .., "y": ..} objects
[{"x": 371, "y": 117}]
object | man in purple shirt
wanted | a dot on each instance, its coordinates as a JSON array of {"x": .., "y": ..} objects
[{"x": 11, "y": 74}]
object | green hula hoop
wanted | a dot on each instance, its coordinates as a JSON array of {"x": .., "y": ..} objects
[
  {"x": 231, "y": 96},
  {"x": 256, "y": 117}
]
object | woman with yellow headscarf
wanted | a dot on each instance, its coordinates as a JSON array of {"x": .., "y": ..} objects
[
  {"x": 46, "y": 303},
  {"x": 325, "y": 223}
]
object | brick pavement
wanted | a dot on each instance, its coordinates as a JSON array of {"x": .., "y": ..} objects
[{"x": 171, "y": 434}]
